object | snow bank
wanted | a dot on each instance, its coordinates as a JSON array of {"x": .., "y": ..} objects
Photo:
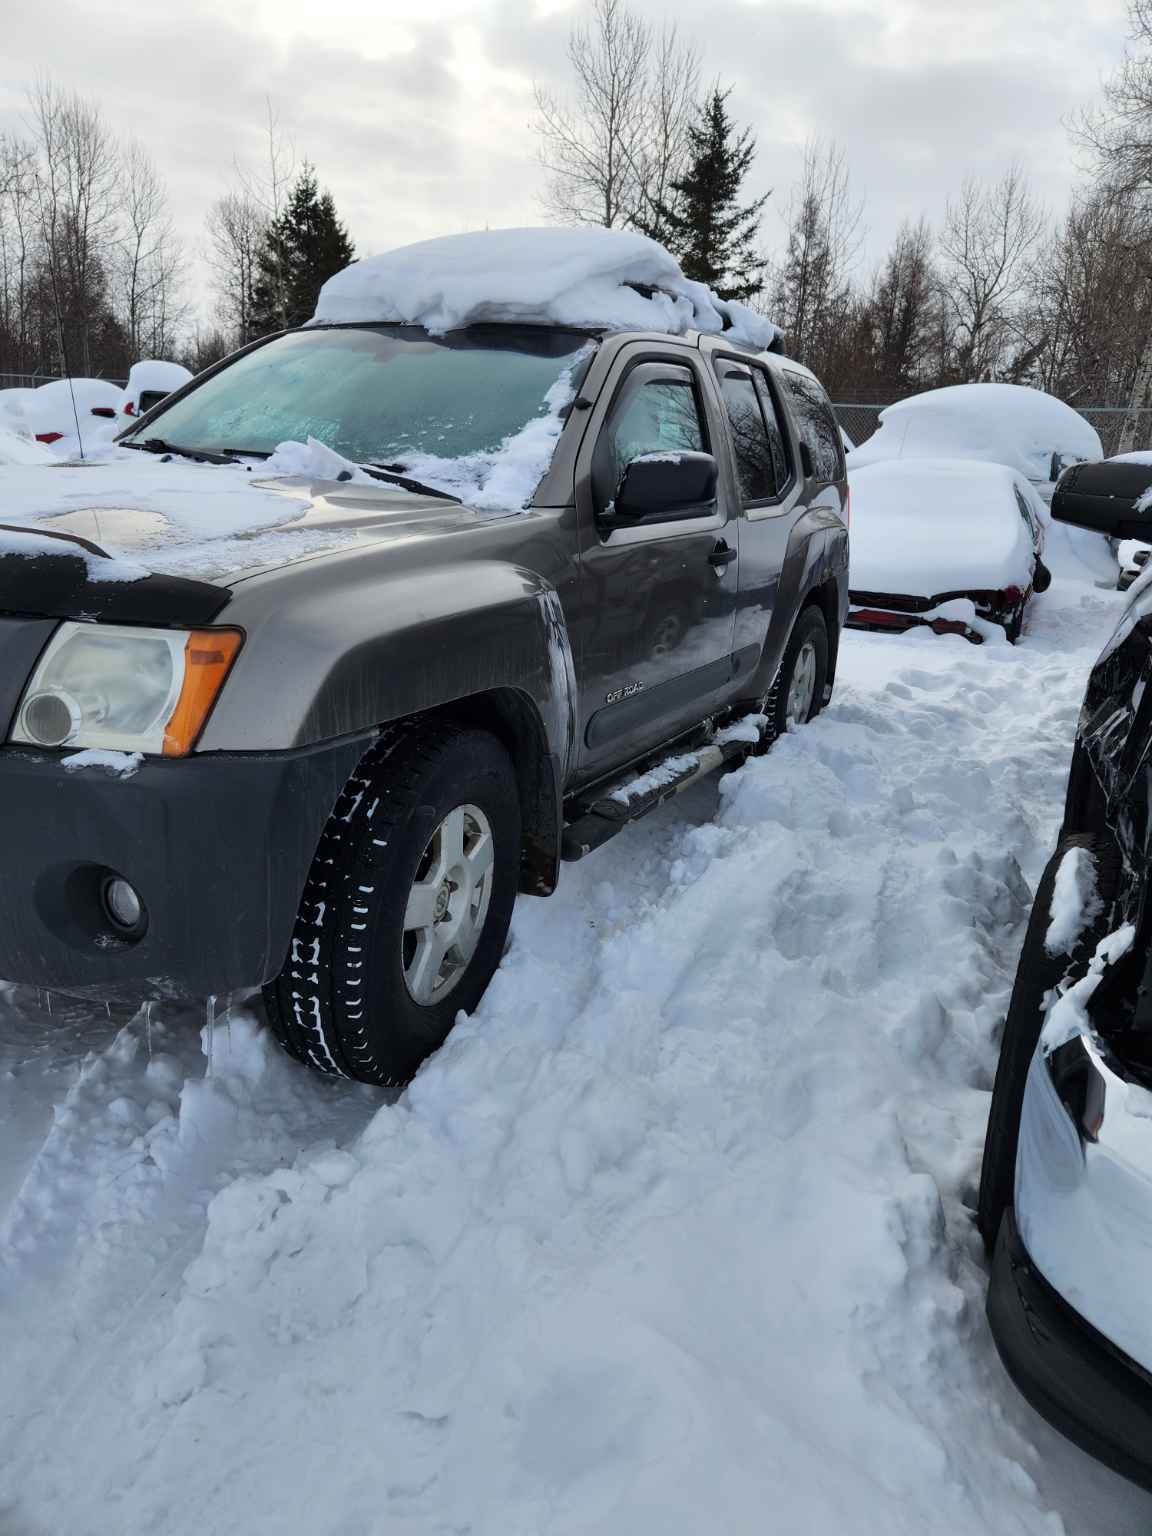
[
  {"x": 597, "y": 278},
  {"x": 16, "y": 449},
  {"x": 998, "y": 423},
  {"x": 673, "y": 1238},
  {"x": 922, "y": 527}
]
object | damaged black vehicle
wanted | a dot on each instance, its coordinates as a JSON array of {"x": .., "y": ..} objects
[{"x": 1065, "y": 1203}]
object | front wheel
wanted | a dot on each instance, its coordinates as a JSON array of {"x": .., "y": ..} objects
[{"x": 403, "y": 919}]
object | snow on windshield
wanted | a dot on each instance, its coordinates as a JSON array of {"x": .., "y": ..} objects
[
  {"x": 607, "y": 279},
  {"x": 999, "y": 423}
]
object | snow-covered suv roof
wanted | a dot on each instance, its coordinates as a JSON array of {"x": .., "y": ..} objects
[{"x": 598, "y": 279}]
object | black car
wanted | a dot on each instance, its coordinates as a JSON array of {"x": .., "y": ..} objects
[{"x": 1065, "y": 1201}]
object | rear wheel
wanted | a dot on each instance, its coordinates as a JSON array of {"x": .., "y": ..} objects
[
  {"x": 406, "y": 910},
  {"x": 798, "y": 694}
]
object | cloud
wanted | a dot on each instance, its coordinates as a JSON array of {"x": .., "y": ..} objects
[{"x": 418, "y": 118}]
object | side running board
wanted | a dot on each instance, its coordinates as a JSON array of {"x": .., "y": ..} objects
[{"x": 617, "y": 807}]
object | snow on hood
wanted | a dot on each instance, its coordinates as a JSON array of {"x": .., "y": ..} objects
[
  {"x": 160, "y": 515},
  {"x": 999, "y": 423},
  {"x": 578, "y": 277},
  {"x": 922, "y": 528}
]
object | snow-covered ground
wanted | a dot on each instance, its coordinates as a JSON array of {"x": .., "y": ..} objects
[{"x": 673, "y": 1237}]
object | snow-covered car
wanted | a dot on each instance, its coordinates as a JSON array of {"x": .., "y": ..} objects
[
  {"x": 12, "y": 409},
  {"x": 15, "y": 448},
  {"x": 150, "y": 381},
  {"x": 1030, "y": 431},
  {"x": 1065, "y": 1198},
  {"x": 74, "y": 413},
  {"x": 575, "y": 539},
  {"x": 953, "y": 545}
]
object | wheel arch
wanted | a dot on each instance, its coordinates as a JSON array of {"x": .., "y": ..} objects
[{"x": 513, "y": 718}]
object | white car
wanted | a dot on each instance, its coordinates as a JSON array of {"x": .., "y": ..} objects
[
  {"x": 1033, "y": 433},
  {"x": 74, "y": 414},
  {"x": 149, "y": 381},
  {"x": 951, "y": 544}
]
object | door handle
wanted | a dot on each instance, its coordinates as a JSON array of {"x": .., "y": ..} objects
[{"x": 721, "y": 555}]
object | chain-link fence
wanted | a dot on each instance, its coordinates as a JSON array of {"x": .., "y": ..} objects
[
  {"x": 34, "y": 380},
  {"x": 1120, "y": 427}
]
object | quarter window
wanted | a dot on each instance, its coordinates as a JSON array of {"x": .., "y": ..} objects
[{"x": 816, "y": 425}]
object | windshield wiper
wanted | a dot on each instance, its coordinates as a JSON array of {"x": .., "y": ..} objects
[
  {"x": 201, "y": 455},
  {"x": 417, "y": 487}
]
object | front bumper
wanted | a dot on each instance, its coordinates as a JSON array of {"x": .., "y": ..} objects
[
  {"x": 1070, "y": 1373},
  {"x": 1070, "y": 1303},
  {"x": 217, "y": 846}
]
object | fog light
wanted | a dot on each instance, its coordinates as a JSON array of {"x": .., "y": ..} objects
[{"x": 123, "y": 904}]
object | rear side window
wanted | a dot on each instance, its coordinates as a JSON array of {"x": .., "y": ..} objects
[
  {"x": 756, "y": 438},
  {"x": 816, "y": 425}
]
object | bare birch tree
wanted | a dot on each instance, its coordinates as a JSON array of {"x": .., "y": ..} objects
[
  {"x": 147, "y": 264},
  {"x": 615, "y": 146},
  {"x": 237, "y": 228},
  {"x": 77, "y": 190},
  {"x": 812, "y": 289},
  {"x": 987, "y": 239}
]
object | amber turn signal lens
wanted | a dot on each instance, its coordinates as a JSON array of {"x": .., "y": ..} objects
[{"x": 208, "y": 655}]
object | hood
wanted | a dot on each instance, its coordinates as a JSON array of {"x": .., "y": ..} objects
[{"x": 119, "y": 538}]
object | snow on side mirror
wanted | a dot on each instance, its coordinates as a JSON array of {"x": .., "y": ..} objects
[{"x": 1113, "y": 499}]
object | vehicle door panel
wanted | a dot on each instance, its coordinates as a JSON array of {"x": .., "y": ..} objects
[{"x": 656, "y": 615}]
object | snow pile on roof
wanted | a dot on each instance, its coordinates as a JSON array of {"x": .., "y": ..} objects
[
  {"x": 922, "y": 528},
  {"x": 17, "y": 449},
  {"x": 999, "y": 423},
  {"x": 608, "y": 279}
]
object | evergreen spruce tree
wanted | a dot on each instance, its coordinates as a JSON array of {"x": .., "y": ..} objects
[
  {"x": 713, "y": 236},
  {"x": 302, "y": 249}
]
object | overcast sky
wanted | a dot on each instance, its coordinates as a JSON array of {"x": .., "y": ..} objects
[{"x": 417, "y": 113}]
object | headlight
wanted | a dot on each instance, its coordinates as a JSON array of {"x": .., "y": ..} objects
[{"x": 127, "y": 690}]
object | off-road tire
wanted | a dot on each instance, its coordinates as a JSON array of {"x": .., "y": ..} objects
[
  {"x": 810, "y": 625},
  {"x": 341, "y": 1003},
  {"x": 1036, "y": 974}
]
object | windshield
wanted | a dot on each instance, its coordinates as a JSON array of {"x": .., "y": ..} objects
[{"x": 389, "y": 395}]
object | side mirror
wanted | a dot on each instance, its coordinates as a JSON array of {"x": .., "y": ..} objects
[
  {"x": 1113, "y": 499},
  {"x": 1061, "y": 462},
  {"x": 665, "y": 488}
]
